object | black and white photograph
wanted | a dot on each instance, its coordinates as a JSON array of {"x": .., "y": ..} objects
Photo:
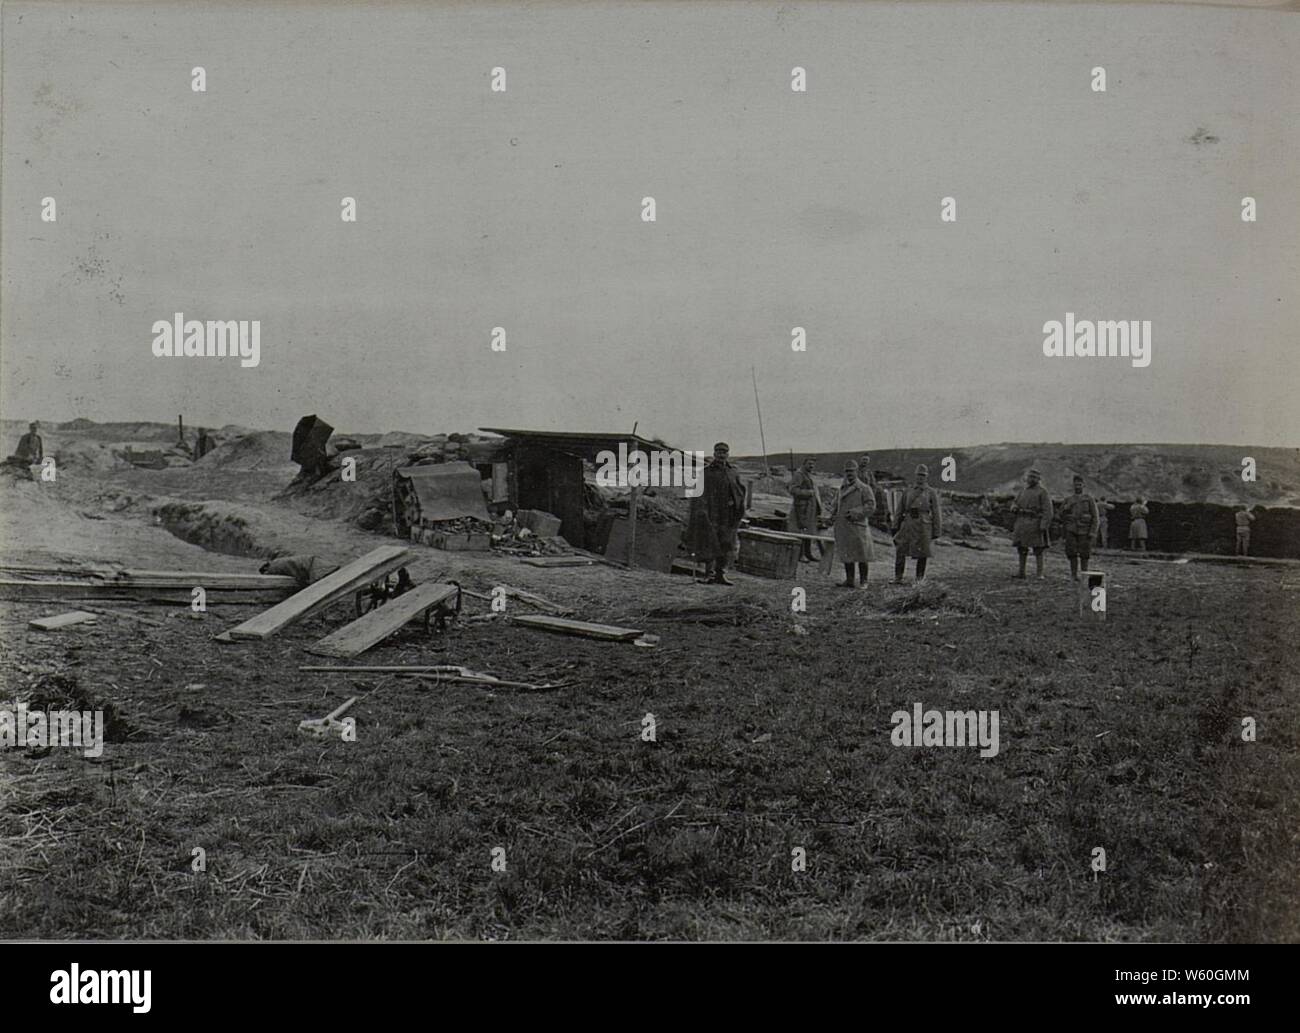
[{"x": 627, "y": 472}]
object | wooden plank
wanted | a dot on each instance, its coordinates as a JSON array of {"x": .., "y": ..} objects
[
  {"x": 154, "y": 578},
  {"x": 36, "y": 591},
  {"x": 533, "y": 599},
  {"x": 373, "y": 627},
  {"x": 557, "y": 561},
  {"x": 315, "y": 597},
  {"x": 63, "y": 620},
  {"x": 127, "y": 615},
  {"x": 572, "y": 627}
]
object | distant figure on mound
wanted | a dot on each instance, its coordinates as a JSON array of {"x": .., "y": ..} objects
[
  {"x": 1079, "y": 520},
  {"x": 919, "y": 521},
  {"x": 1033, "y": 510},
  {"x": 1137, "y": 529},
  {"x": 1244, "y": 519},
  {"x": 30, "y": 452},
  {"x": 807, "y": 506},
  {"x": 716, "y": 514},
  {"x": 853, "y": 509},
  {"x": 203, "y": 445}
]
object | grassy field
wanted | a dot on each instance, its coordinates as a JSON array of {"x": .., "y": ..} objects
[{"x": 772, "y": 732}]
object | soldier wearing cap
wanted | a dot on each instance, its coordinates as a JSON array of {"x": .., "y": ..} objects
[
  {"x": 716, "y": 514},
  {"x": 1244, "y": 518},
  {"x": 919, "y": 521},
  {"x": 1033, "y": 510},
  {"x": 853, "y": 509},
  {"x": 807, "y": 506},
  {"x": 1103, "y": 522},
  {"x": 1079, "y": 520},
  {"x": 1137, "y": 528}
]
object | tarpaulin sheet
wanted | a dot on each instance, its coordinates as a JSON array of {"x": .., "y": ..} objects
[{"x": 446, "y": 491}]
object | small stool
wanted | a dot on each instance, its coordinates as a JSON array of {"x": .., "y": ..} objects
[{"x": 1089, "y": 580}]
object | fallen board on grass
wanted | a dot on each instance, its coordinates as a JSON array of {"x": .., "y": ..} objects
[
  {"x": 571, "y": 627},
  {"x": 376, "y": 564},
  {"x": 371, "y": 628},
  {"x": 63, "y": 620},
  {"x": 210, "y": 580},
  {"x": 557, "y": 561},
  {"x": 37, "y": 591}
]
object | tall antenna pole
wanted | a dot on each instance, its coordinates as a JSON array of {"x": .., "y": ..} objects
[{"x": 759, "y": 409}]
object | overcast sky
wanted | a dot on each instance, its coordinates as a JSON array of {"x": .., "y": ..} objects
[{"x": 775, "y": 209}]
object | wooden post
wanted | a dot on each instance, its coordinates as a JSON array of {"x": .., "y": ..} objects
[{"x": 631, "y": 529}]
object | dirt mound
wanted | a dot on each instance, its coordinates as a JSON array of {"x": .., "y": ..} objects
[
  {"x": 366, "y": 502},
  {"x": 258, "y": 450}
]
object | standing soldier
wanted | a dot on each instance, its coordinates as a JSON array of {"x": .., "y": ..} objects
[
  {"x": 1079, "y": 520},
  {"x": 919, "y": 521},
  {"x": 1033, "y": 510},
  {"x": 716, "y": 514},
  {"x": 1244, "y": 519},
  {"x": 807, "y": 506},
  {"x": 853, "y": 508},
  {"x": 1137, "y": 529},
  {"x": 1103, "y": 525},
  {"x": 881, "y": 515}
]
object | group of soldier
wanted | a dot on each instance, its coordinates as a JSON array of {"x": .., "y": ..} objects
[{"x": 915, "y": 522}]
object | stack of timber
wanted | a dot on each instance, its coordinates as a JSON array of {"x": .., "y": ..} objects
[
  {"x": 29, "y": 583},
  {"x": 342, "y": 584}
]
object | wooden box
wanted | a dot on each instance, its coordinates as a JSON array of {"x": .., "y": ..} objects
[{"x": 768, "y": 554}]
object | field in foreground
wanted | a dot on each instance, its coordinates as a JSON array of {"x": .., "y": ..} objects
[{"x": 1124, "y": 735}]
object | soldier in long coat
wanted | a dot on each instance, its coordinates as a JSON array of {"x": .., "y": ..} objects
[
  {"x": 807, "y": 506},
  {"x": 716, "y": 514},
  {"x": 853, "y": 509},
  {"x": 1033, "y": 510},
  {"x": 1079, "y": 520},
  {"x": 919, "y": 521},
  {"x": 1103, "y": 522},
  {"x": 1137, "y": 528},
  {"x": 1244, "y": 518}
]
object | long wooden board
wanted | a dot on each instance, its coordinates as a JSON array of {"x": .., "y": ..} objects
[
  {"x": 153, "y": 578},
  {"x": 315, "y": 597},
  {"x": 571, "y": 627},
  {"x": 557, "y": 561},
  {"x": 373, "y": 627},
  {"x": 37, "y": 591},
  {"x": 63, "y": 620}
]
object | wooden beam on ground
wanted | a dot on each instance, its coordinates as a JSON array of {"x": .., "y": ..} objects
[
  {"x": 126, "y": 614},
  {"x": 557, "y": 561},
  {"x": 373, "y": 627},
  {"x": 376, "y": 564},
  {"x": 38, "y": 591},
  {"x": 63, "y": 620},
  {"x": 532, "y": 598},
  {"x": 572, "y": 627},
  {"x": 210, "y": 580}
]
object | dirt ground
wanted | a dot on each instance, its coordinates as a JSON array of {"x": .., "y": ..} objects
[{"x": 772, "y": 732}]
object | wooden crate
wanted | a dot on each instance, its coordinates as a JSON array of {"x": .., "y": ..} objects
[
  {"x": 460, "y": 542},
  {"x": 768, "y": 554}
]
